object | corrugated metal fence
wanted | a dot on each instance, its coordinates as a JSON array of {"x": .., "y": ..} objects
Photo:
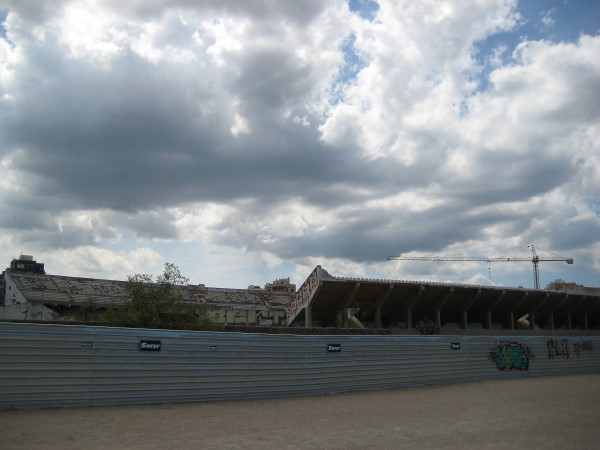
[{"x": 61, "y": 365}]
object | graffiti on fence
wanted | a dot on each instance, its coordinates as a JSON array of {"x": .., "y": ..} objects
[
  {"x": 558, "y": 348},
  {"x": 511, "y": 356},
  {"x": 561, "y": 348},
  {"x": 586, "y": 346}
]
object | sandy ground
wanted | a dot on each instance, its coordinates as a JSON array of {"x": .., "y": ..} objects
[{"x": 549, "y": 412}]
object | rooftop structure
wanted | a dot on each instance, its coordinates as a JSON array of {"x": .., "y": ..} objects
[{"x": 26, "y": 264}]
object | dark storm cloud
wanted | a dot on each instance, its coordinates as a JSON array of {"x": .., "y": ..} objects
[
  {"x": 141, "y": 136},
  {"x": 371, "y": 234},
  {"x": 301, "y": 11},
  {"x": 52, "y": 238},
  {"x": 578, "y": 233},
  {"x": 508, "y": 176}
]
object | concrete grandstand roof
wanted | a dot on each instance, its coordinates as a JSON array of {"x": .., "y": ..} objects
[
  {"x": 384, "y": 302},
  {"x": 61, "y": 290}
]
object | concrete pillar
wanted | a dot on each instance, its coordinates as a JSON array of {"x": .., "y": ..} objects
[
  {"x": 488, "y": 313},
  {"x": 379, "y": 303},
  {"x": 532, "y": 320},
  {"x": 409, "y": 317},
  {"x": 438, "y": 307},
  {"x": 569, "y": 326},
  {"x": 464, "y": 313},
  {"x": 585, "y": 322},
  {"x": 551, "y": 320},
  {"x": 464, "y": 320},
  {"x": 488, "y": 319},
  {"x": 511, "y": 321},
  {"x": 344, "y": 317},
  {"x": 346, "y": 304},
  {"x": 308, "y": 316}
]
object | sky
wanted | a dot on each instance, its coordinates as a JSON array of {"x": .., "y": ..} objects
[{"x": 249, "y": 140}]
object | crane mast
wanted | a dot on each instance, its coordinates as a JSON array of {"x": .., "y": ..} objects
[{"x": 535, "y": 259}]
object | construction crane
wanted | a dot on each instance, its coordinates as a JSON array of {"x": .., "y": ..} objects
[{"x": 535, "y": 259}]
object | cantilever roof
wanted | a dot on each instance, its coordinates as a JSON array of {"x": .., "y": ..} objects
[{"x": 327, "y": 295}]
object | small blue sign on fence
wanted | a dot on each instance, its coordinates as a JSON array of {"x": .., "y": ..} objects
[
  {"x": 455, "y": 346},
  {"x": 149, "y": 346},
  {"x": 334, "y": 348}
]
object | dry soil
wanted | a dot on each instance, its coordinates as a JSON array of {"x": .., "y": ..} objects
[{"x": 545, "y": 412}]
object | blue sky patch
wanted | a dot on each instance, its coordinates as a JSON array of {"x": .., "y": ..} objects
[
  {"x": 3, "y": 15},
  {"x": 367, "y": 9},
  {"x": 549, "y": 20}
]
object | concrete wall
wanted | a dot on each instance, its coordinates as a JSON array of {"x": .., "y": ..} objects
[
  {"x": 29, "y": 311},
  {"x": 44, "y": 365},
  {"x": 12, "y": 294}
]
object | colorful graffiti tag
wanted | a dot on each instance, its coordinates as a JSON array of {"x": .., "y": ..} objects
[{"x": 511, "y": 356}]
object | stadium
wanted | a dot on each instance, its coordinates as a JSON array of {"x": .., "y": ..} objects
[
  {"x": 334, "y": 334},
  {"x": 322, "y": 301}
]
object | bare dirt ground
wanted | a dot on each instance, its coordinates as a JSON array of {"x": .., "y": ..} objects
[{"x": 545, "y": 412}]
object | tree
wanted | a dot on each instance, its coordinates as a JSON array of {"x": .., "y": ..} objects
[
  {"x": 159, "y": 304},
  {"x": 87, "y": 312}
]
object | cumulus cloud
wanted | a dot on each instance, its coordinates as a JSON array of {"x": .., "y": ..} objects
[{"x": 296, "y": 132}]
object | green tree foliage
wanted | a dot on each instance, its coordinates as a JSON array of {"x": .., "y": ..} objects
[
  {"x": 87, "y": 312},
  {"x": 159, "y": 304}
]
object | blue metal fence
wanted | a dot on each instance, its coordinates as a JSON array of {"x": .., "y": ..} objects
[{"x": 43, "y": 365}]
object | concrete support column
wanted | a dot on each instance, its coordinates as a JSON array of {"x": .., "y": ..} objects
[
  {"x": 585, "y": 322},
  {"x": 515, "y": 308},
  {"x": 378, "y": 317},
  {"x": 308, "y": 316},
  {"x": 511, "y": 321},
  {"x": 551, "y": 320},
  {"x": 488, "y": 319},
  {"x": 532, "y": 320},
  {"x": 438, "y": 307},
  {"x": 347, "y": 302},
  {"x": 464, "y": 320},
  {"x": 464, "y": 313},
  {"x": 488, "y": 313},
  {"x": 409, "y": 317},
  {"x": 569, "y": 325}
]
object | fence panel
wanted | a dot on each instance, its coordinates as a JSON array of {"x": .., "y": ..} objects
[{"x": 43, "y": 365}]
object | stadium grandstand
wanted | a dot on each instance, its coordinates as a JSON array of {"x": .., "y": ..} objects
[
  {"x": 322, "y": 302},
  {"x": 28, "y": 293}
]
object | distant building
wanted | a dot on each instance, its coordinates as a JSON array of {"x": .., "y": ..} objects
[
  {"x": 26, "y": 264},
  {"x": 281, "y": 285},
  {"x": 572, "y": 288}
]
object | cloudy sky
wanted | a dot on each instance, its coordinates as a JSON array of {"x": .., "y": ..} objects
[{"x": 246, "y": 140}]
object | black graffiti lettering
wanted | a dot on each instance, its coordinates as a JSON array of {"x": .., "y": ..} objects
[
  {"x": 558, "y": 349},
  {"x": 586, "y": 346}
]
